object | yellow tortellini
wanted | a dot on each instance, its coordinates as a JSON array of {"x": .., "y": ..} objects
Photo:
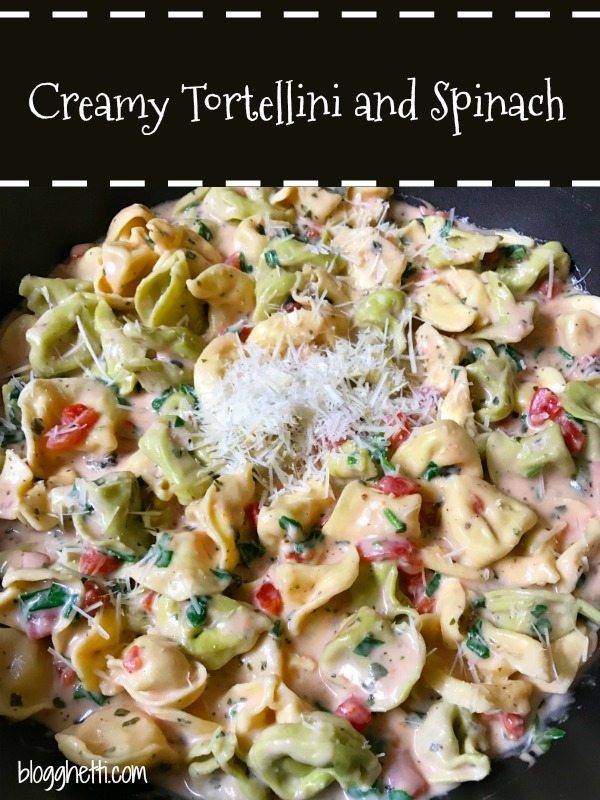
[
  {"x": 26, "y": 675},
  {"x": 165, "y": 677}
]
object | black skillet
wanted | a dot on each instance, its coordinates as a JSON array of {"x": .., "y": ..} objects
[{"x": 37, "y": 229}]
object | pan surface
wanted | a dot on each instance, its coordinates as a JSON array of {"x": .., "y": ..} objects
[{"x": 37, "y": 229}]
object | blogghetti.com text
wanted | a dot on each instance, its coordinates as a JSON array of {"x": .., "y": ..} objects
[{"x": 56, "y": 777}]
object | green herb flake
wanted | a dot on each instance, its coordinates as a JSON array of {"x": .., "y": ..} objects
[
  {"x": 541, "y": 627},
  {"x": 196, "y": 611},
  {"x": 224, "y": 575},
  {"x": 54, "y": 596},
  {"x": 131, "y": 721},
  {"x": 352, "y": 461},
  {"x": 277, "y": 629},
  {"x": 122, "y": 712},
  {"x": 249, "y": 552},
  {"x": 534, "y": 471},
  {"x": 315, "y": 536},
  {"x": 433, "y": 584},
  {"x": 399, "y": 525},
  {"x": 82, "y": 694},
  {"x": 203, "y": 230},
  {"x": 368, "y": 644},
  {"x": 475, "y": 641},
  {"x": 514, "y": 251},
  {"x": 538, "y": 610},
  {"x": 158, "y": 402},
  {"x": 566, "y": 355},
  {"x": 515, "y": 357},
  {"x": 272, "y": 258},
  {"x": 289, "y": 525},
  {"x": 163, "y": 554},
  {"x": 377, "y": 671},
  {"x": 432, "y": 471},
  {"x": 455, "y": 372},
  {"x": 398, "y": 794}
]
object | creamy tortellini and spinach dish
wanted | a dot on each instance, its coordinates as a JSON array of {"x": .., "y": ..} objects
[{"x": 299, "y": 495}]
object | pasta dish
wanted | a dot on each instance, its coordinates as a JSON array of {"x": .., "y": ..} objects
[{"x": 299, "y": 495}]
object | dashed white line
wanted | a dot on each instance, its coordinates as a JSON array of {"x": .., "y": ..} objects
[
  {"x": 410, "y": 184},
  {"x": 300, "y": 14},
  {"x": 359, "y": 183},
  {"x": 242, "y": 14},
  {"x": 14, "y": 14},
  {"x": 585, "y": 14},
  {"x": 242, "y": 183},
  {"x": 300, "y": 183},
  {"x": 474, "y": 183},
  {"x": 359, "y": 15},
  {"x": 475, "y": 14},
  {"x": 532, "y": 15},
  {"x": 184, "y": 184},
  {"x": 123, "y": 184},
  {"x": 186, "y": 14},
  {"x": 416, "y": 14},
  {"x": 69, "y": 14},
  {"x": 576, "y": 184},
  {"x": 127, "y": 14},
  {"x": 14, "y": 184},
  {"x": 532, "y": 183},
  {"x": 64, "y": 184}
]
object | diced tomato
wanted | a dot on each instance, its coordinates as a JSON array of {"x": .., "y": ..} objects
[
  {"x": 415, "y": 589},
  {"x": 148, "y": 602},
  {"x": 356, "y": 712},
  {"x": 132, "y": 661},
  {"x": 67, "y": 675},
  {"x": 544, "y": 405},
  {"x": 514, "y": 725},
  {"x": 544, "y": 285},
  {"x": 403, "y": 425},
  {"x": 297, "y": 557},
  {"x": 42, "y": 623},
  {"x": 92, "y": 562},
  {"x": 233, "y": 260},
  {"x": 429, "y": 212},
  {"x": 572, "y": 432},
  {"x": 244, "y": 333},
  {"x": 251, "y": 513},
  {"x": 76, "y": 422},
  {"x": 269, "y": 598},
  {"x": 92, "y": 595},
  {"x": 398, "y": 549},
  {"x": 478, "y": 504},
  {"x": 397, "y": 486}
]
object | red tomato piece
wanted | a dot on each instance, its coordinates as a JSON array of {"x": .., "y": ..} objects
[
  {"x": 233, "y": 260},
  {"x": 557, "y": 288},
  {"x": 92, "y": 595},
  {"x": 398, "y": 486},
  {"x": 544, "y": 405},
  {"x": 42, "y": 623},
  {"x": 415, "y": 589},
  {"x": 356, "y": 712},
  {"x": 76, "y": 421},
  {"x": 251, "y": 513},
  {"x": 403, "y": 425},
  {"x": 572, "y": 432},
  {"x": 269, "y": 598},
  {"x": 514, "y": 725},
  {"x": 132, "y": 660},
  {"x": 244, "y": 333},
  {"x": 148, "y": 602},
  {"x": 478, "y": 504},
  {"x": 66, "y": 675},
  {"x": 398, "y": 549},
  {"x": 429, "y": 212},
  {"x": 92, "y": 562}
]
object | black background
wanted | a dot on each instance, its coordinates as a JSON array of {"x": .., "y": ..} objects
[{"x": 156, "y": 55}]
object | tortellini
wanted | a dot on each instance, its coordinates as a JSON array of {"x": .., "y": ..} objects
[
  {"x": 446, "y": 746},
  {"x": 165, "y": 676},
  {"x": 26, "y": 675},
  {"x": 298, "y": 760},
  {"x": 372, "y": 657}
]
